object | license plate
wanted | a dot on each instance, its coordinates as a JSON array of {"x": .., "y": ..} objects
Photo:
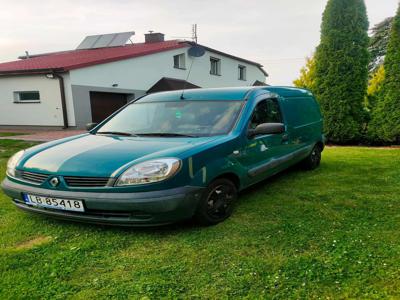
[{"x": 56, "y": 203}]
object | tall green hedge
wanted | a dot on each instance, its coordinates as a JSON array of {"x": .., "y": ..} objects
[
  {"x": 342, "y": 69},
  {"x": 385, "y": 123}
]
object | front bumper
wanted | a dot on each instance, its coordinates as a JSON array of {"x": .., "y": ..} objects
[{"x": 125, "y": 209}]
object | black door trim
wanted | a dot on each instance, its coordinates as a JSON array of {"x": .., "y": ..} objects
[{"x": 274, "y": 162}]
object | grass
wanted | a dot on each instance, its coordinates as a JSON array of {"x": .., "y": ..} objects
[
  {"x": 5, "y": 134},
  {"x": 329, "y": 233}
]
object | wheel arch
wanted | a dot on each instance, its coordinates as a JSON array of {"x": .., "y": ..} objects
[
  {"x": 320, "y": 144},
  {"x": 230, "y": 176}
]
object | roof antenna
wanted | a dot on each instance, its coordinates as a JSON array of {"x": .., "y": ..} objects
[
  {"x": 27, "y": 54},
  {"x": 194, "y": 33},
  {"x": 193, "y": 52},
  {"x": 186, "y": 80}
]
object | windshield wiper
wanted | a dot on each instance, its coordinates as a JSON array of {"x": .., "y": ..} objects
[
  {"x": 116, "y": 133},
  {"x": 168, "y": 134}
]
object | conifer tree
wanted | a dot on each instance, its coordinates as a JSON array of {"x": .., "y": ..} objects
[
  {"x": 385, "y": 124},
  {"x": 378, "y": 43},
  {"x": 342, "y": 69}
]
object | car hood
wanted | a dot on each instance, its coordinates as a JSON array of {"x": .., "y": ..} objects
[{"x": 100, "y": 156}]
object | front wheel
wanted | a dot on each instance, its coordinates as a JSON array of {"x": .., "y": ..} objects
[
  {"x": 313, "y": 160},
  {"x": 216, "y": 202}
]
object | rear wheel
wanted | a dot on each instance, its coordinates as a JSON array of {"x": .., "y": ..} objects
[
  {"x": 313, "y": 160},
  {"x": 216, "y": 202}
]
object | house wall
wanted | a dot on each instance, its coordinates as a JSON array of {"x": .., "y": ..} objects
[
  {"x": 143, "y": 72},
  {"x": 135, "y": 76},
  {"x": 82, "y": 107},
  {"x": 71, "y": 111},
  {"x": 46, "y": 113}
]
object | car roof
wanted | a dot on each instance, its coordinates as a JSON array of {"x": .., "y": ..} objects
[
  {"x": 287, "y": 91},
  {"x": 229, "y": 93}
]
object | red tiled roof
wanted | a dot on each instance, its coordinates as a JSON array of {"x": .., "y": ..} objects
[{"x": 68, "y": 60}]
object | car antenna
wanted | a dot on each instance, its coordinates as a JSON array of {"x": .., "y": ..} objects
[
  {"x": 195, "y": 51},
  {"x": 187, "y": 78}
]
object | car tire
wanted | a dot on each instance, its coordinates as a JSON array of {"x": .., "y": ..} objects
[
  {"x": 216, "y": 203},
  {"x": 313, "y": 160}
]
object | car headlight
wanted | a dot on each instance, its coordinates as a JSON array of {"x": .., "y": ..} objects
[
  {"x": 149, "y": 171},
  {"x": 13, "y": 162}
]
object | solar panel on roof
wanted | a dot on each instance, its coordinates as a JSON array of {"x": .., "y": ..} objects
[
  {"x": 88, "y": 42},
  {"x": 105, "y": 40},
  {"x": 121, "y": 39}
]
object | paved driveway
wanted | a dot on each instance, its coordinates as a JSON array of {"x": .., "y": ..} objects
[{"x": 41, "y": 136}]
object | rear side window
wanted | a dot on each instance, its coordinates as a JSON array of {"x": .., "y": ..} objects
[{"x": 267, "y": 111}]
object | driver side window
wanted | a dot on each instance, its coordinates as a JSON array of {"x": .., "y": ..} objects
[{"x": 267, "y": 111}]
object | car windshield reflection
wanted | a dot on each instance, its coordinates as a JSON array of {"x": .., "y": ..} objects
[{"x": 174, "y": 119}]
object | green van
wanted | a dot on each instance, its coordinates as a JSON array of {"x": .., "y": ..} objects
[{"x": 170, "y": 156}]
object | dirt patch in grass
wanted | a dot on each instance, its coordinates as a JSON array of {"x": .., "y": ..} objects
[{"x": 37, "y": 241}]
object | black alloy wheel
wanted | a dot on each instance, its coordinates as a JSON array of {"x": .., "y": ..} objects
[
  {"x": 217, "y": 202},
  {"x": 313, "y": 160}
]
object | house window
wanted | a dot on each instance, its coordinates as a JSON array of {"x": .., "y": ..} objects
[
  {"x": 242, "y": 72},
  {"x": 179, "y": 61},
  {"x": 215, "y": 66},
  {"x": 27, "y": 97}
]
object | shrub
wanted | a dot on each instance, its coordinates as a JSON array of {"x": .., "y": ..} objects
[{"x": 306, "y": 79}]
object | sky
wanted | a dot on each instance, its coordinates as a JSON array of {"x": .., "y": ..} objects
[{"x": 279, "y": 34}]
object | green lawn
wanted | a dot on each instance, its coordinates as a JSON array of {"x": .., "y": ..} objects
[
  {"x": 329, "y": 233},
  {"x": 5, "y": 134}
]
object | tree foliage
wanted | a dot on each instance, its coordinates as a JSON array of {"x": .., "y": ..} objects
[
  {"x": 307, "y": 75},
  {"x": 385, "y": 124},
  {"x": 375, "y": 87},
  {"x": 378, "y": 43},
  {"x": 341, "y": 71}
]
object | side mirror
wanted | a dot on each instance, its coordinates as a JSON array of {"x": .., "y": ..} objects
[
  {"x": 90, "y": 126},
  {"x": 267, "y": 128}
]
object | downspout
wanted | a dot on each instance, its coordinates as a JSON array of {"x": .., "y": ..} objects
[{"x": 63, "y": 101}]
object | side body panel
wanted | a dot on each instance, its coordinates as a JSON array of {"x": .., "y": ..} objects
[{"x": 304, "y": 121}]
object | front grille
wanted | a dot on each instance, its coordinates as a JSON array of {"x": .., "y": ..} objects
[
  {"x": 76, "y": 181},
  {"x": 33, "y": 177}
]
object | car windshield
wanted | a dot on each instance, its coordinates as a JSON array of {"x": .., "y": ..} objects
[{"x": 174, "y": 118}]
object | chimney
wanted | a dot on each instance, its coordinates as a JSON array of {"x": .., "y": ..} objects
[{"x": 153, "y": 37}]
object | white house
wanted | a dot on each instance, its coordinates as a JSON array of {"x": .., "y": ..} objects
[{"x": 72, "y": 88}]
